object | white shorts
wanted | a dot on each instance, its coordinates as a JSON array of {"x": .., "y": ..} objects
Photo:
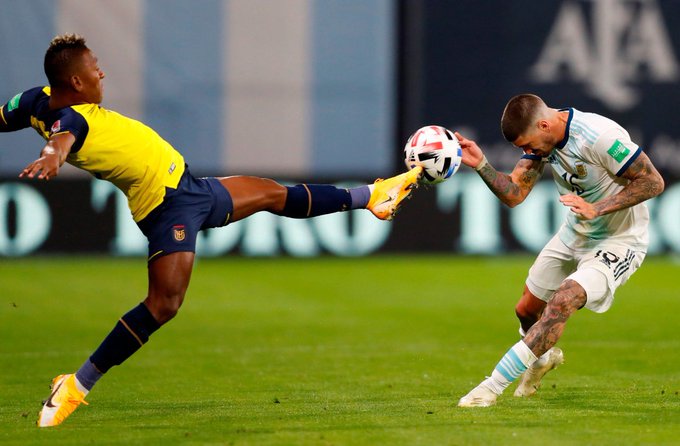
[{"x": 600, "y": 271}]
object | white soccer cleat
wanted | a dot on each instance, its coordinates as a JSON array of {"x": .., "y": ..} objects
[
  {"x": 480, "y": 396},
  {"x": 530, "y": 380}
]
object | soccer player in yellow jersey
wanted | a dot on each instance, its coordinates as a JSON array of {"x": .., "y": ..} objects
[{"x": 168, "y": 204}]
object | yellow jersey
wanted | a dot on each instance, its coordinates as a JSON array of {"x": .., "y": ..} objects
[{"x": 110, "y": 146}]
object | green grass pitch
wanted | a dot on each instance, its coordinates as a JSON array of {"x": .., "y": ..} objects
[{"x": 334, "y": 352}]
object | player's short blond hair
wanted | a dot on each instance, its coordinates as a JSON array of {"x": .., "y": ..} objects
[{"x": 60, "y": 56}]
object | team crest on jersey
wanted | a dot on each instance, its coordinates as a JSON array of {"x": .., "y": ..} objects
[
  {"x": 581, "y": 169},
  {"x": 56, "y": 126},
  {"x": 178, "y": 233}
]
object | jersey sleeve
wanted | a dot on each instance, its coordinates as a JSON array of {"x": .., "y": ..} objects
[
  {"x": 70, "y": 121},
  {"x": 16, "y": 113},
  {"x": 615, "y": 151}
]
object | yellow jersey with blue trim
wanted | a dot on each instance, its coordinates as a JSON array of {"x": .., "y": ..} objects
[{"x": 108, "y": 145}]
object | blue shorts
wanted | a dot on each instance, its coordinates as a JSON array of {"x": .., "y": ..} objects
[{"x": 197, "y": 203}]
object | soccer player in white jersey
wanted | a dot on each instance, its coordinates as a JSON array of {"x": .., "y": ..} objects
[{"x": 604, "y": 178}]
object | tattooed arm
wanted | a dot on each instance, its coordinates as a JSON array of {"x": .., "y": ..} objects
[
  {"x": 645, "y": 183},
  {"x": 511, "y": 189}
]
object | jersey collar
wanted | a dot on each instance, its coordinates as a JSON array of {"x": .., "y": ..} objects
[{"x": 563, "y": 143}]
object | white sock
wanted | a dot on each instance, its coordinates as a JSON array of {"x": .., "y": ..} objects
[
  {"x": 370, "y": 188},
  {"x": 508, "y": 369}
]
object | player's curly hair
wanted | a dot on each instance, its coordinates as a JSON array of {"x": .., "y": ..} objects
[
  {"x": 60, "y": 56},
  {"x": 520, "y": 114}
]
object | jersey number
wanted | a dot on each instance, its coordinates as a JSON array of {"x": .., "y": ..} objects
[
  {"x": 569, "y": 178},
  {"x": 607, "y": 257}
]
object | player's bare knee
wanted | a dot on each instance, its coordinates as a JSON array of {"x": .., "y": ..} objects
[
  {"x": 276, "y": 194},
  {"x": 525, "y": 314},
  {"x": 164, "y": 306}
]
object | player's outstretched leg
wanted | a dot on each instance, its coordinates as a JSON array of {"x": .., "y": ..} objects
[
  {"x": 66, "y": 396},
  {"x": 530, "y": 380},
  {"x": 388, "y": 194},
  {"x": 252, "y": 194}
]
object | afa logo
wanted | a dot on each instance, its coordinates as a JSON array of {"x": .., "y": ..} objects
[
  {"x": 581, "y": 169},
  {"x": 610, "y": 46},
  {"x": 178, "y": 233}
]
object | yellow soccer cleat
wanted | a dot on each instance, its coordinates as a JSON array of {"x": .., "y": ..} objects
[
  {"x": 62, "y": 402},
  {"x": 388, "y": 194}
]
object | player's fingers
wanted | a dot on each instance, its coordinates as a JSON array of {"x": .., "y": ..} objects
[
  {"x": 576, "y": 210},
  {"x": 48, "y": 173},
  {"x": 26, "y": 170},
  {"x": 569, "y": 199},
  {"x": 34, "y": 169}
]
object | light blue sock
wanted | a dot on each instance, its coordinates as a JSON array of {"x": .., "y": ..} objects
[{"x": 508, "y": 369}]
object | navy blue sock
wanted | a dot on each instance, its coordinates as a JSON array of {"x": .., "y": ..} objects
[
  {"x": 130, "y": 333},
  {"x": 310, "y": 200},
  {"x": 88, "y": 375},
  {"x": 360, "y": 197}
]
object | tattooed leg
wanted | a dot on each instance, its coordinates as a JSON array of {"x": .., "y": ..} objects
[{"x": 544, "y": 334}]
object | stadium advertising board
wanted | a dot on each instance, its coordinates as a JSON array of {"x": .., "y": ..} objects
[
  {"x": 619, "y": 58},
  {"x": 457, "y": 216}
]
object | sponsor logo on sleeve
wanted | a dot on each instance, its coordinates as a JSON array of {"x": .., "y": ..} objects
[
  {"x": 618, "y": 151},
  {"x": 56, "y": 126},
  {"x": 13, "y": 103}
]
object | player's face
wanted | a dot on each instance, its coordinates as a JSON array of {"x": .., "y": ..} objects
[
  {"x": 92, "y": 87},
  {"x": 537, "y": 143}
]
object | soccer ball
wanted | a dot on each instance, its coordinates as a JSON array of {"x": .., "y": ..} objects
[{"x": 437, "y": 150}]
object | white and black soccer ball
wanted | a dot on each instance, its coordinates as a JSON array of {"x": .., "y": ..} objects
[{"x": 437, "y": 150}]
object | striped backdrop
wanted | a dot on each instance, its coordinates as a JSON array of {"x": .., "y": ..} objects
[{"x": 294, "y": 88}]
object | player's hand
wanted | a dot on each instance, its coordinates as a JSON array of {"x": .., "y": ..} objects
[
  {"x": 52, "y": 156},
  {"x": 579, "y": 206},
  {"x": 472, "y": 154},
  {"x": 45, "y": 167}
]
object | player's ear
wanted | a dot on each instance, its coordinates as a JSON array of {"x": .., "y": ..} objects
[
  {"x": 76, "y": 83},
  {"x": 543, "y": 125}
]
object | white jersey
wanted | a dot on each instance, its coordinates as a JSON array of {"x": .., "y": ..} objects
[{"x": 589, "y": 162}]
